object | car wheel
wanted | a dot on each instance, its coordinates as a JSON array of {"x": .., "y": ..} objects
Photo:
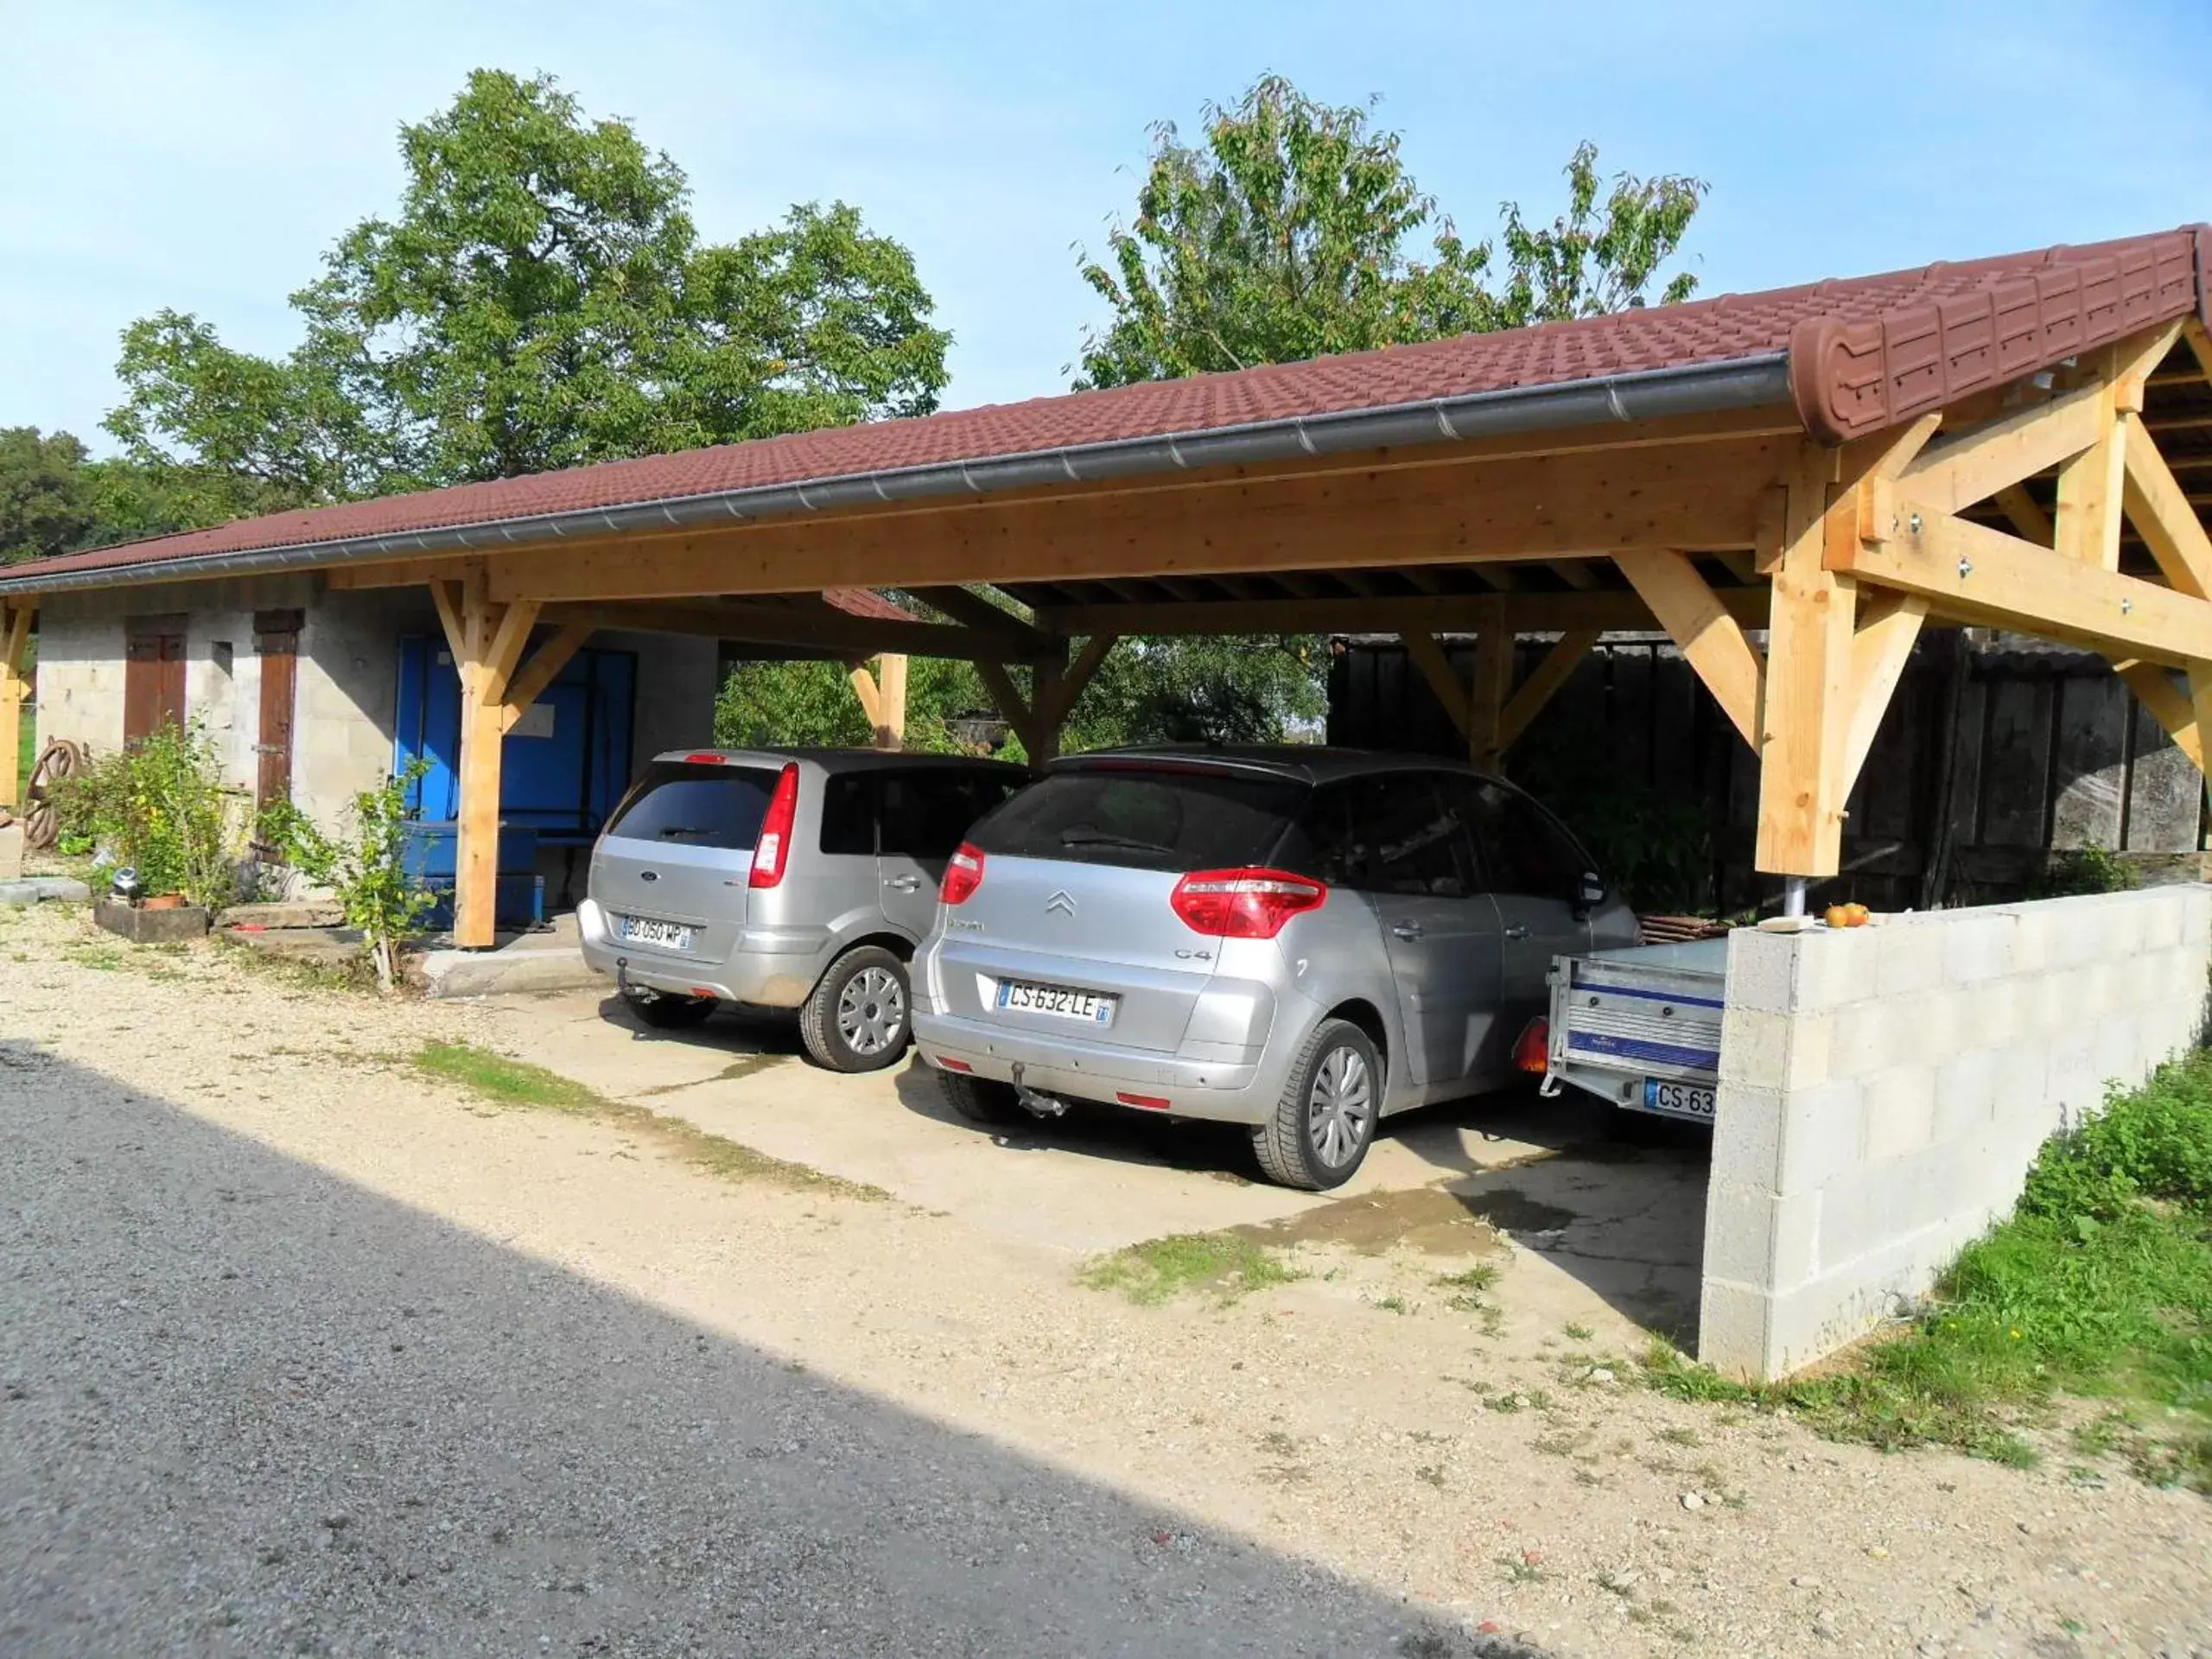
[
  {"x": 857, "y": 1019},
  {"x": 666, "y": 1011},
  {"x": 1324, "y": 1121},
  {"x": 981, "y": 1100}
]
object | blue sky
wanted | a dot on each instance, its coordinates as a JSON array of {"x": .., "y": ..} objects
[{"x": 203, "y": 156}]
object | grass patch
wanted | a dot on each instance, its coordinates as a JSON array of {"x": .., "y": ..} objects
[
  {"x": 519, "y": 1085},
  {"x": 1229, "y": 1264},
  {"x": 2098, "y": 1285}
]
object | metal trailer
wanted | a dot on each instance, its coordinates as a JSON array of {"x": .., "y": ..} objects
[{"x": 1640, "y": 1027}]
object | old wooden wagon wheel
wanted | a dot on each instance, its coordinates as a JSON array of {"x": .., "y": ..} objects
[{"x": 41, "y": 823}]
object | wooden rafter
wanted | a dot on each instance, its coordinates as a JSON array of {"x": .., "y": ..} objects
[
  {"x": 2200, "y": 346},
  {"x": 2162, "y": 515},
  {"x": 1529, "y": 613},
  {"x": 2155, "y": 688},
  {"x": 529, "y": 680},
  {"x": 2026, "y": 514},
  {"x": 1543, "y": 683},
  {"x": 1976, "y": 464},
  {"x": 826, "y": 630},
  {"x": 1881, "y": 645},
  {"x": 1427, "y": 655}
]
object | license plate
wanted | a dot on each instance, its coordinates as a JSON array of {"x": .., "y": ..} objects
[
  {"x": 669, "y": 935},
  {"x": 1060, "y": 1000},
  {"x": 1690, "y": 1100}
]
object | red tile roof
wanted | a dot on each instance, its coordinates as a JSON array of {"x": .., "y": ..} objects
[{"x": 1862, "y": 353}]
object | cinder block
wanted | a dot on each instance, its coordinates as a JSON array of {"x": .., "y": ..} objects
[
  {"x": 1731, "y": 1329},
  {"x": 1835, "y": 966},
  {"x": 1900, "y": 1104},
  {"x": 1739, "y": 1224},
  {"x": 1986, "y": 1015},
  {"x": 2116, "y": 1051},
  {"x": 1774, "y": 1051},
  {"x": 1908, "y": 957},
  {"x": 1977, "y": 946},
  {"x": 1747, "y": 1136},
  {"x": 1866, "y": 1036},
  {"x": 1966, "y": 1098},
  {"x": 2162, "y": 922},
  {"x": 1823, "y": 1134},
  {"x": 1762, "y": 969}
]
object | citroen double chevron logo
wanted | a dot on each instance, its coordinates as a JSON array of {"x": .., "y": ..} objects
[{"x": 1063, "y": 901}]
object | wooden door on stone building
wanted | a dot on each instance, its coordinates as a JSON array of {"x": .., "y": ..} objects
[
  {"x": 153, "y": 674},
  {"x": 277, "y": 642}
]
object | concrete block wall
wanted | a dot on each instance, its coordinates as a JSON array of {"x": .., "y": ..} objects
[{"x": 1884, "y": 1090}]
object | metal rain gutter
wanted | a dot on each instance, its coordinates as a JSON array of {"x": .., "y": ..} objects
[{"x": 1654, "y": 394}]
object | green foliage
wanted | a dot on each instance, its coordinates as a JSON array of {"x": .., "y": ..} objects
[
  {"x": 1285, "y": 235},
  {"x": 158, "y": 808},
  {"x": 363, "y": 867},
  {"x": 45, "y": 498},
  {"x": 2085, "y": 869},
  {"x": 2155, "y": 1144},
  {"x": 541, "y": 299},
  {"x": 1228, "y": 1264}
]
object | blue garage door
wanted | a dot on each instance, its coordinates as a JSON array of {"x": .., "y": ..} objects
[{"x": 564, "y": 765}]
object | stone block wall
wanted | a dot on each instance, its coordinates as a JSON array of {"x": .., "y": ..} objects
[{"x": 1884, "y": 1090}]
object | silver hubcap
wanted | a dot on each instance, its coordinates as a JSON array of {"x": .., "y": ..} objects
[
  {"x": 1340, "y": 1105},
  {"x": 871, "y": 1011}
]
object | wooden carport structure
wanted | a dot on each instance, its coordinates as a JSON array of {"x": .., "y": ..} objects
[{"x": 2003, "y": 442}]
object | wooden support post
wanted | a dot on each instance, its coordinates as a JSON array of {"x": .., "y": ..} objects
[
  {"x": 891, "y": 681},
  {"x": 488, "y": 640},
  {"x": 1493, "y": 684},
  {"x": 1881, "y": 645},
  {"x": 1048, "y": 687},
  {"x": 871, "y": 695},
  {"x": 1014, "y": 707},
  {"x": 1436, "y": 668},
  {"x": 2090, "y": 489},
  {"x": 15, "y": 687},
  {"x": 529, "y": 680}
]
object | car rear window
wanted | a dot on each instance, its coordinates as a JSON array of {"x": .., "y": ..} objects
[
  {"x": 697, "y": 805},
  {"x": 1164, "y": 818}
]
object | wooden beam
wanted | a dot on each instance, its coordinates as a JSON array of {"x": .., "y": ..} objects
[
  {"x": 2090, "y": 487},
  {"x": 1444, "y": 613},
  {"x": 1803, "y": 718},
  {"x": 446, "y": 596},
  {"x": 2155, "y": 688},
  {"x": 15, "y": 687},
  {"x": 972, "y": 610},
  {"x": 1543, "y": 683},
  {"x": 544, "y": 666},
  {"x": 1436, "y": 668},
  {"x": 2028, "y": 518},
  {"x": 1070, "y": 690},
  {"x": 1975, "y": 465},
  {"x": 1889, "y": 624},
  {"x": 1493, "y": 684},
  {"x": 1013, "y": 706},
  {"x": 828, "y": 633},
  {"x": 1706, "y": 633},
  {"x": 509, "y": 635},
  {"x": 2200, "y": 346},
  {"x": 2156, "y": 506},
  {"x": 1543, "y": 507},
  {"x": 1977, "y": 573},
  {"x": 864, "y": 686}
]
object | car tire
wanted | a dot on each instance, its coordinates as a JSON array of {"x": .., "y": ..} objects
[
  {"x": 666, "y": 1011},
  {"x": 860, "y": 1017},
  {"x": 981, "y": 1100},
  {"x": 1325, "y": 1123}
]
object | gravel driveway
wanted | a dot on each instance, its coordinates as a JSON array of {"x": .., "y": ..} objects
[{"x": 299, "y": 1353}]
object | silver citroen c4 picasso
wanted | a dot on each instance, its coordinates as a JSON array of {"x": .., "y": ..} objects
[{"x": 1301, "y": 939}]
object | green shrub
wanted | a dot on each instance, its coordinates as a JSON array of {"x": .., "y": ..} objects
[
  {"x": 2155, "y": 1142},
  {"x": 364, "y": 868},
  {"x": 158, "y": 808}
]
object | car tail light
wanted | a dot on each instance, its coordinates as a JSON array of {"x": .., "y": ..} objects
[
  {"x": 706, "y": 758},
  {"x": 773, "y": 852},
  {"x": 1149, "y": 1102},
  {"x": 951, "y": 1065},
  {"x": 1243, "y": 904},
  {"x": 1533, "y": 1053},
  {"x": 963, "y": 874}
]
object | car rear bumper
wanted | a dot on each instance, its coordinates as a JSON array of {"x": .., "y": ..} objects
[
  {"x": 1076, "y": 1068},
  {"x": 769, "y": 969}
]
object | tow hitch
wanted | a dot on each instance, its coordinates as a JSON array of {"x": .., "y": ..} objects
[{"x": 1033, "y": 1101}]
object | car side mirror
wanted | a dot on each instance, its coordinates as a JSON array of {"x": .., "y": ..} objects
[{"x": 1589, "y": 895}]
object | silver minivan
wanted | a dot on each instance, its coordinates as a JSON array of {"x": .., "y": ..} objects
[
  {"x": 784, "y": 878},
  {"x": 1304, "y": 940}
]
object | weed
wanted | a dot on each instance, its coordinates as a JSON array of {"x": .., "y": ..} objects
[
  {"x": 1432, "y": 1473},
  {"x": 1229, "y": 1264},
  {"x": 1541, "y": 1399},
  {"x": 1560, "y": 1445},
  {"x": 1520, "y": 1570},
  {"x": 1680, "y": 1436},
  {"x": 1505, "y": 1402},
  {"x": 1477, "y": 1278},
  {"x": 105, "y": 959},
  {"x": 1613, "y": 1584},
  {"x": 1578, "y": 1331},
  {"x": 1393, "y": 1305},
  {"x": 518, "y": 1085}
]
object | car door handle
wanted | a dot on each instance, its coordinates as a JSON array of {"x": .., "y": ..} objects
[
  {"x": 1516, "y": 932},
  {"x": 903, "y": 883},
  {"x": 1406, "y": 930}
]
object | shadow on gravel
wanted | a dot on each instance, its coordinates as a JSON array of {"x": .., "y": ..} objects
[{"x": 246, "y": 1406}]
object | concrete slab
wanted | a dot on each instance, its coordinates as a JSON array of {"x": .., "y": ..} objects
[
  {"x": 1604, "y": 1221},
  {"x": 322, "y": 947},
  {"x": 522, "y": 965},
  {"x": 44, "y": 889}
]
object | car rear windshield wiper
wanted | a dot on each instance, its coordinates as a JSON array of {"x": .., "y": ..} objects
[
  {"x": 1080, "y": 835},
  {"x": 669, "y": 829}
]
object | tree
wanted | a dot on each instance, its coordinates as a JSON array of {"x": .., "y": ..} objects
[
  {"x": 46, "y": 504},
  {"x": 541, "y": 300},
  {"x": 1285, "y": 235}
]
